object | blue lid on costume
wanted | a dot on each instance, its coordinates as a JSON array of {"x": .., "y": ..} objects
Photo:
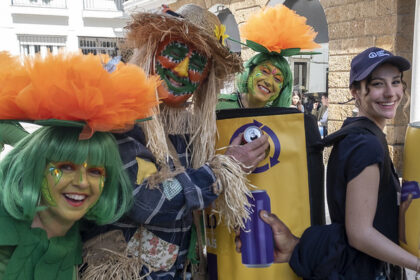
[{"x": 364, "y": 63}]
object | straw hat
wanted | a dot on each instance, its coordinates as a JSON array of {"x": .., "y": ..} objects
[{"x": 195, "y": 25}]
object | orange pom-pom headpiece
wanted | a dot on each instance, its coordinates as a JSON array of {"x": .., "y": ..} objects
[
  {"x": 71, "y": 89},
  {"x": 279, "y": 30}
]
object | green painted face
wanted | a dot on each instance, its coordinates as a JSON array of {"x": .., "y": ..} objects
[
  {"x": 265, "y": 82},
  {"x": 182, "y": 68},
  {"x": 71, "y": 189}
]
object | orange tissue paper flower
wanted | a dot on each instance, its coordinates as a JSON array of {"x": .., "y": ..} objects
[
  {"x": 278, "y": 28},
  {"x": 76, "y": 87}
]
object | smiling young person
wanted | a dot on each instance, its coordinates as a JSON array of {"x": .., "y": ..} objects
[
  {"x": 362, "y": 187},
  {"x": 52, "y": 178},
  {"x": 267, "y": 80}
]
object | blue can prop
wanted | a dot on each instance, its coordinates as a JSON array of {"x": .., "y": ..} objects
[
  {"x": 257, "y": 238},
  {"x": 410, "y": 187}
]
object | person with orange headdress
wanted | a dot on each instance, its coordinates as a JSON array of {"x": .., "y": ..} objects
[
  {"x": 267, "y": 80},
  {"x": 69, "y": 169}
]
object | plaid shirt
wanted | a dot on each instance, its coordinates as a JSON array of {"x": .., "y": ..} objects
[{"x": 167, "y": 211}]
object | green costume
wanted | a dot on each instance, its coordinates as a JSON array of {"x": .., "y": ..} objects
[
  {"x": 11, "y": 133},
  {"x": 229, "y": 101},
  {"x": 27, "y": 254}
]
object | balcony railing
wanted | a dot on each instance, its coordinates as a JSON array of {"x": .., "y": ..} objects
[
  {"x": 104, "y": 5},
  {"x": 41, "y": 3}
]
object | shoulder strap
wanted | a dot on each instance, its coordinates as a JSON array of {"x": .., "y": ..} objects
[{"x": 360, "y": 126}]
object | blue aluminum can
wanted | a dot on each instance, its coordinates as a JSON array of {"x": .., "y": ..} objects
[{"x": 257, "y": 238}]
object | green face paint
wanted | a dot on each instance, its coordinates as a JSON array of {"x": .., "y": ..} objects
[
  {"x": 71, "y": 188},
  {"x": 101, "y": 184},
  {"x": 55, "y": 173},
  {"x": 264, "y": 83}
]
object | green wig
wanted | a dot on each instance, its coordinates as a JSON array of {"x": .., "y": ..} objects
[
  {"x": 284, "y": 99},
  {"x": 22, "y": 172}
]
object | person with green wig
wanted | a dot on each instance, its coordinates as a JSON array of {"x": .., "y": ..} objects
[
  {"x": 266, "y": 82},
  {"x": 48, "y": 182},
  {"x": 70, "y": 169}
]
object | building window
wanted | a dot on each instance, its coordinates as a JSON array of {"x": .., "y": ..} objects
[
  {"x": 300, "y": 72},
  {"x": 42, "y": 44},
  {"x": 96, "y": 45},
  {"x": 41, "y": 3}
]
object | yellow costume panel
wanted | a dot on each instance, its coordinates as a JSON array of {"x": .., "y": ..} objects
[
  {"x": 410, "y": 221},
  {"x": 283, "y": 175}
]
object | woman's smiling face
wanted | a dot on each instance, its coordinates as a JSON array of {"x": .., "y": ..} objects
[
  {"x": 70, "y": 190},
  {"x": 265, "y": 82},
  {"x": 384, "y": 94}
]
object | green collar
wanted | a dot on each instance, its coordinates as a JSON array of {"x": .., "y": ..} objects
[{"x": 36, "y": 257}]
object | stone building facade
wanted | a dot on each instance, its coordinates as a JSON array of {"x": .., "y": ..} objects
[{"x": 353, "y": 25}]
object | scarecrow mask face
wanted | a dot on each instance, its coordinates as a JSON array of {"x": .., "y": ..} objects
[
  {"x": 265, "y": 82},
  {"x": 182, "y": 69}
]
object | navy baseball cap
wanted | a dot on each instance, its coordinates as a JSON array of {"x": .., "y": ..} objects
[{"x": 365, "y": 62}]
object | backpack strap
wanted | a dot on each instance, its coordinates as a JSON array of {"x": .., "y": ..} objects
[{"x": 359, "y": 126}]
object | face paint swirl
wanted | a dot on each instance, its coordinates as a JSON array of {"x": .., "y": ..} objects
[{"x": 182, "y": 68}]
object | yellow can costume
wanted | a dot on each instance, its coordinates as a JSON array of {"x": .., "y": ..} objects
[{"x": 410, "y": 192}]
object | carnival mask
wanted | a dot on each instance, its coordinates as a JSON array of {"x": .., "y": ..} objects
[
  {"x": 182, "y": 69},
  {"x": 265, "y": 82}
]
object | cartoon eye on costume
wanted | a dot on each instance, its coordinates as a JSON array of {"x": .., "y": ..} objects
[{"x": 198, "y": 61}]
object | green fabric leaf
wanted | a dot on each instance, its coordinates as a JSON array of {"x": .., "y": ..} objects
[
  {"x": 36, "y": 257},
  {"x": 55, "y": 122},
  {"x": 290, "y": 52},
  {"x": 256, "y": 47}
]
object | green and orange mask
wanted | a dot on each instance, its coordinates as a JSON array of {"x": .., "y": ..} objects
[{"x": 182, "y": 69}]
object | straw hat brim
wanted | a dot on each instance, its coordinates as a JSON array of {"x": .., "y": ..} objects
[{"x": 147, "y": 27}]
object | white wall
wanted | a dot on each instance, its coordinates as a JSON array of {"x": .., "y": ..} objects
[
  {"x": 71, "y": 22},
  {"x": 318, "y": 70}
]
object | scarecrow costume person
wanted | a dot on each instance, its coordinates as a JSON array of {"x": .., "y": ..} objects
[
  {"x": 171, "y": 159},
  {"x": 69, "y": 169},
  {"x": 267, "y": 80}
]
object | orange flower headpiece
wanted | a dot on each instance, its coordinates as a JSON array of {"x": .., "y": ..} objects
[
  {"x": 279, "y": 31},
  {"x": 75, "y": 90}
]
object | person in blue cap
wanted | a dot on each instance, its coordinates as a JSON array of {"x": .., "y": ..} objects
[{"x": 363, "y": 190}]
